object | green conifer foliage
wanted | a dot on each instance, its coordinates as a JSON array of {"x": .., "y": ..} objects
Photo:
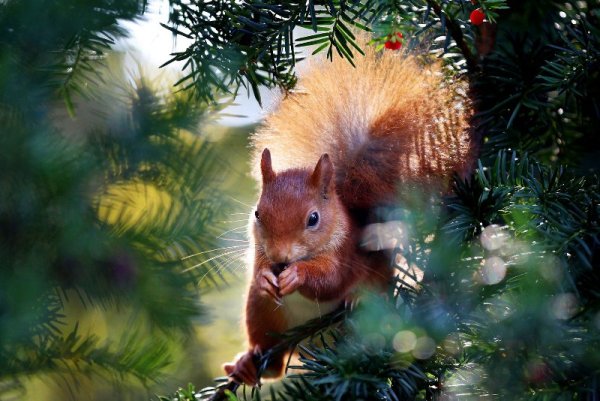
[
  {"x": 507, "y": 306},
  {"x": 80, "y": 150}
]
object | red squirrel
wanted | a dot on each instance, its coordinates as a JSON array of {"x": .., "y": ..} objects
[{"x": 348, "y": 141}]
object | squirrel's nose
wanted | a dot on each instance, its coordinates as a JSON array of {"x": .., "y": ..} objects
[
  {"x": 280, "y": 254},
  {"x": 281, "y": 259}
]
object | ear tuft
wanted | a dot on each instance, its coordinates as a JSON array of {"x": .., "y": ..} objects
[
  {"x": 322, "y": 176},
  {"x": 266, "y": 167}
]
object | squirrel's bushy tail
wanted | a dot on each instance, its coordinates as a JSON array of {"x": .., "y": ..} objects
[{"x": 387, "y": 122}]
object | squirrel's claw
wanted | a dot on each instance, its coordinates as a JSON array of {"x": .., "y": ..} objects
[
  {"x": 289, "y": 280},
  {"x": 268, "y": 284}
]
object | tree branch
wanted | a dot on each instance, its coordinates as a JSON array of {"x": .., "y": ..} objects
[{"x": 457, "y": 35}]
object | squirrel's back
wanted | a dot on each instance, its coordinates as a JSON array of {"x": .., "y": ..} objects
[{"x": 387, "y": 122}]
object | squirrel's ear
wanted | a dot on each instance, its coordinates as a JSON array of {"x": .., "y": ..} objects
[
  {"x": 321, "y": 177},
  {"x": 265, "y": 167}
]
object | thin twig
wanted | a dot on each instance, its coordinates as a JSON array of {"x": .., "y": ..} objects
[{"x": 457, "y": 35}]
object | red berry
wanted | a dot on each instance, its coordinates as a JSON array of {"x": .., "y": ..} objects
[
  {"x": 394, "y": 43},
  {"x": 477, "y": 16}
]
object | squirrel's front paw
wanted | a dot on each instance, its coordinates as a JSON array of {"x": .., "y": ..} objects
[
  {"x": 290, "y": 279},
  {"x": 268, "y": 285}
]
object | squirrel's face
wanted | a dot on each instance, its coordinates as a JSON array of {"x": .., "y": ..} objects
[{"x": 298, "y": 214}]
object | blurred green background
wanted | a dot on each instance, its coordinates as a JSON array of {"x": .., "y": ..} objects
[{"x": 122, "y": 203}]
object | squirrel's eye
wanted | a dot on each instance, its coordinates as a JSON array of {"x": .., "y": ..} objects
[
  {"x": 256, "y": 215},
  {"x": 313, "y": 219}
]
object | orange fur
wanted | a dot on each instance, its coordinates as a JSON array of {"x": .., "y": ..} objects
[{"x": 384, "y": 124}]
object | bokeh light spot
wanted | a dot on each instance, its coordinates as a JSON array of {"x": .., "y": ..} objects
[
  {"x": 404, "y": 341},
  {"x": 493, "y": 237},
  {"x": 493, "y": 270},
  {"x": 564, "y": 306},
  {"x": 424, "y": 348}
]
